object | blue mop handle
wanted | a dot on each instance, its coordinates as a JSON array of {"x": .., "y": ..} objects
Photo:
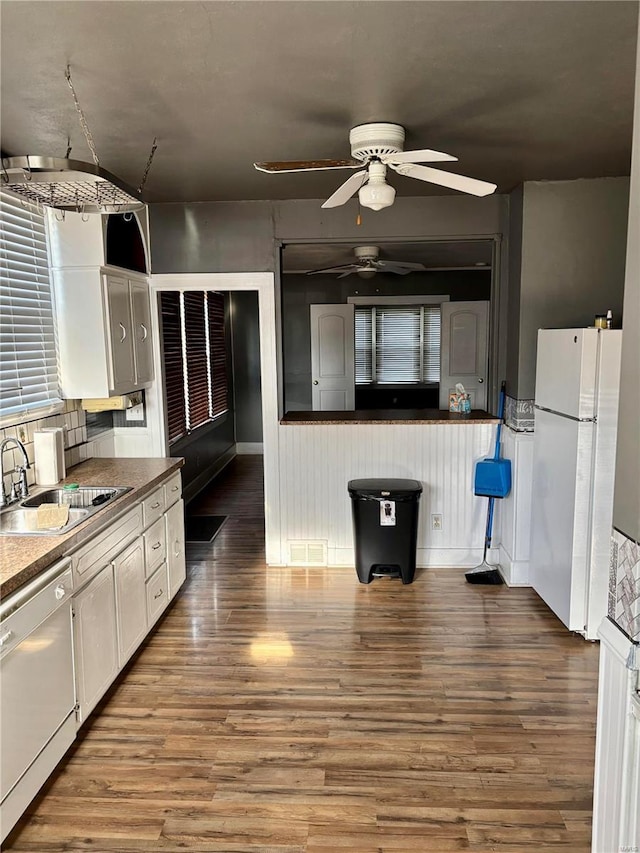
[{"x": 496, "y": 452}]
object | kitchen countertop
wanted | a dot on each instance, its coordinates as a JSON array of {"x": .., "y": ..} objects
[
  {"x": 23, "y": 557},
  {"x": 388, "y": 416}
]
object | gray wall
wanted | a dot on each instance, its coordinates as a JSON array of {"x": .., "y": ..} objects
[
  {"x": 514, "y": 267},
  {"x": 572, "y": 263},
  {"x": 626, "y": 509},
  {"x": 246, "y": 365},
  {"x": 301, "y": 291},
  {"x": 242, "y": 236}
]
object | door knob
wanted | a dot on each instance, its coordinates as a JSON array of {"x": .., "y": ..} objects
[
  {"x": 481, "y": 380},
  {"x": 315, "y": 381}
]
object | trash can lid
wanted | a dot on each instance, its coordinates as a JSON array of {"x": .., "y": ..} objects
[{"x": 385, "y": 488}]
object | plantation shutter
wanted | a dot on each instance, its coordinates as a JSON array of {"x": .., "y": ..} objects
[
  {"x": 28, "y": 362},
  {"x": 173, "y": 365},
  {"x": 197, "y": 362},
  {"x": 397, "y": 344},
  {"x": 218, "y": 354},
  {"x": 431, "y": 345},
  {"x": 364, "y": 345}
]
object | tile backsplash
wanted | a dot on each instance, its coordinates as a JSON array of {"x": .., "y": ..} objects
[
  {"x": 624, "y": 584},
  {"x": 77, "y": 449}
]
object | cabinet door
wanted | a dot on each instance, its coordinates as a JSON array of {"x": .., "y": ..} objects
[
  {"x": 94, "y": 631},
  {"x": 123, "y": 376},
  {"x": 131, "y": 603},
  {"x": 141, "y": 316},
  {"x": 175, "y": 547}
]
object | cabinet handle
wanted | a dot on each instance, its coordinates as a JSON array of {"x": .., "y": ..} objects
[
  {"x": 175, "y": 488},
  {"x": 155, "y": 505},
  {"x": 4, "y": 639},
  {"x": 144, "y": 331},
  {"x": 60, "y": 592},
  {"x": 156, "y": 546},
  {"x": 158, "y": 594},
  {"x": 124, "y": 333}
]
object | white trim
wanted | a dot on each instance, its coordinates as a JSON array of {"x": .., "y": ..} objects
[
  {"x": 426, "y": 558},
  {"x": 514, "y": 572},
  {"x": 264, "y": 284},
  {"x": 249, "y": 448},
  {"x": 397, "y": 300}
]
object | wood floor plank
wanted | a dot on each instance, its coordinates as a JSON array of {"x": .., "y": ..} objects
[{"x": 292, "y": 710}]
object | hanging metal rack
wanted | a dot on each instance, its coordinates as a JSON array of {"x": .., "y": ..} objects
[{"x": 74, "y": 185}]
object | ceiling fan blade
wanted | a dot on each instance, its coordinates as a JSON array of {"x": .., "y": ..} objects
[
  {"x": 397, "y": 266},
  {"x": 446, "y": 179},
  {"x": 425, "y": 155},
  {"x": 349, "y": 188},
  {"x": 345, "y": 269},
  {"x": 306, "y": 165}
]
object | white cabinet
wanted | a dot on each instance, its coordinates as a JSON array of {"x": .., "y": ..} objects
[
  {"x": 131, "y": 605},
  {"x": 104, "y": 335},
  {"x": 96, "y": 651},
  {"x": 176, "y": 563}
]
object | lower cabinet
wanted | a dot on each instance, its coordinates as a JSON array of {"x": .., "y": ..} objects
[
  {"x": 176, "y": 563},
  {"x": 131, "y": 600},
  {"x": 95, "y": 644}
]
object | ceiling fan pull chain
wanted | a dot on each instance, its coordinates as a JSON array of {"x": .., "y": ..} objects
[
  {"x": 83, "y": 121},
  {"x": 359, "y": 215},
  {"x": 148, "y": 166}
]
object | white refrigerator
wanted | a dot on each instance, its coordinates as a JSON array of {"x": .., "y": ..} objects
[{"x": 576, "y": 414}]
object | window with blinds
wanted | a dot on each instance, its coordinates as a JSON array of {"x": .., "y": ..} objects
[
  {"x": 397, "y": 344},
  {"x": 195, "y": 360},
  {"x": 28, "y": 361}
]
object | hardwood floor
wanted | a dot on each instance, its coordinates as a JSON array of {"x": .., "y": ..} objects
[{"x": 291, "y": 710}]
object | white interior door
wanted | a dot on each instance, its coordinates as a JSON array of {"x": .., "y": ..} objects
[
  {"x": 464, "y": 351},
  {"x": 332, "y": 358}
]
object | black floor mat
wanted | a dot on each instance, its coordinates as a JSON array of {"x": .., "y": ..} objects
[{"x": 203, "y": 528}]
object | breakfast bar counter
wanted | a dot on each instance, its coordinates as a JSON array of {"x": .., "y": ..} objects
[{"x": 388, "y": 416}]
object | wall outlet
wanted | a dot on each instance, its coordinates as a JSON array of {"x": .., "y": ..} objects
[
  {"x": 436, "y": 521},
  {"x": 135, "y": 413}
]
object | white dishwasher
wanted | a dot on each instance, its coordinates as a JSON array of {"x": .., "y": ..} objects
[{"x": 37, "y": 693}]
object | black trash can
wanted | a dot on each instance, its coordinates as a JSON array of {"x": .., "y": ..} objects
[{"x": 385, "y": 527}]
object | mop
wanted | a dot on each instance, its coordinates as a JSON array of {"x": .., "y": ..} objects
[{"x": 492, "y": 480}]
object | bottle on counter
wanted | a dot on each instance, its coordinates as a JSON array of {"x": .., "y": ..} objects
[{"x": 609, "y": 319}]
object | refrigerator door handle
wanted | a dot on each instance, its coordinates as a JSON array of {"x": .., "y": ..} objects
[{"x": 563, "y": 415}]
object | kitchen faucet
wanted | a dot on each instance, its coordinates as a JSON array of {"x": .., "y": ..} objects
[{"x": 20, "y": 489}]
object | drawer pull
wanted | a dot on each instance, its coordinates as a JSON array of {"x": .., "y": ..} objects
[
  {"x": 155, "y": 505},
  {"x": 175, "y": 488},
  {"x": 60, "y": 592},
  {"x": 4, "y": 639},
  {"x": 156, "y": 546},
  {"x": 158, "y": 594},
  {"x": 124, "y": 333}
]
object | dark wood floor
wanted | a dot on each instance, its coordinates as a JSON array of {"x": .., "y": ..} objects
[{"x": 297, "y": 711}]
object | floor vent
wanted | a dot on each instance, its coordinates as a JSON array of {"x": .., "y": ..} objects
[{"x": 308, "y": 553}]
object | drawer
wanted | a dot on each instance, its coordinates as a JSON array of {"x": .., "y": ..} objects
[
  {"x": 153, "y": 506},
  {"x": 155, "y": 546},
  {"x": 157, "y": 593},
  {"x": 173, "y": 489},
  {"x": 101, "y": 549}
]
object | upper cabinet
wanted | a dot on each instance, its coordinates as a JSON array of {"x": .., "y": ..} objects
[{"x": 103, "y": 311}]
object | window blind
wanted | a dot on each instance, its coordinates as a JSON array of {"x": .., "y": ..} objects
[
  {"x": 217, "y": 354},
  {"x": 397, "y": 344},
  {"x": 195, "y": 359},
  {"x": 173, "y": 364},
  {"x": 28, "y": 361}
]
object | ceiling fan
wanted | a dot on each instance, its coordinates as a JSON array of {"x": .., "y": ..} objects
[
  {"x": 368, "y": 263},
  {"x": 376, "y": 147}
]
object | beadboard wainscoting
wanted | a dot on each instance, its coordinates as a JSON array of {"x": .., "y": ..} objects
[
  {"x": 317, "y": 461},
  {"x": 512, "y": 532}
]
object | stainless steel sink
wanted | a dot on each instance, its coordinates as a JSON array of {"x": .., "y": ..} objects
[
  {"x": 84, "y": 497},
  {"x": 21, "y": 519}
]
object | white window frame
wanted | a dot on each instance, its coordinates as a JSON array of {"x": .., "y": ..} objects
[
  {"x": 53, "y": 403},
  {"x": 375, "y": 301}
]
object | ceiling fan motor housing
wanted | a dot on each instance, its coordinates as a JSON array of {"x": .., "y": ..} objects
[
  {"x": 366, "y": 253},
  {"x": 375, "y": 140}
]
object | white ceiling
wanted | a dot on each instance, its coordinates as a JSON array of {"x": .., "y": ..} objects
[{"x": 516, "y": 90}]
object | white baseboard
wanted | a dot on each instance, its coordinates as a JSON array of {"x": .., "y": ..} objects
[
  {"x": 249, "y": 448},
  {"x": 514, "y": 572},
  {"x": 455, "y": 558}
]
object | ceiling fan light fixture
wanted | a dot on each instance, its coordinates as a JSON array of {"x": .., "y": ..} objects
[
  {"x": 376, "y": 193},
  {"x": 364, "y": 273}
]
